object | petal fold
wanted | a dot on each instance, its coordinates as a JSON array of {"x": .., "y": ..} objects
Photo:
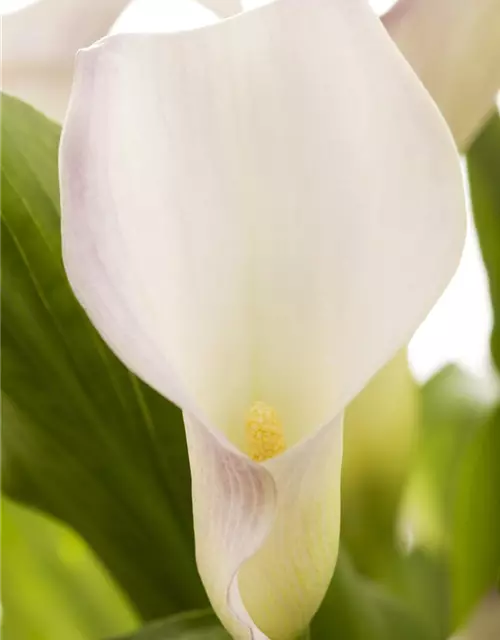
[
  {"x": 454, "y": 47},
  {"x": 266, "y": 535}
]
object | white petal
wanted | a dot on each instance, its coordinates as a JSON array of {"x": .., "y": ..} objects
[
  {"x": 454, "y": 46},
  {"x": 39, "y": 43},
  {"x": 275, "y": 198},
  {"x": 291, "y": 504}
]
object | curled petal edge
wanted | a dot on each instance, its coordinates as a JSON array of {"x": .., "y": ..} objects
[{"x": 266, "y": 534}]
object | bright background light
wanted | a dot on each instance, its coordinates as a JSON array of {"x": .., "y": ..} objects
[
  {"x": 381, "y": 6},
  {"x": 457, "y": 329},
  {"x": 163, "y": 15}
]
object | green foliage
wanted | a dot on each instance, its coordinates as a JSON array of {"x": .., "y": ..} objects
[
  {"x": 83, "y": 439},
  {"x": 52, "y": 585},
  {"x": 476, "y": 527},
  {"x": 195, "y": 625},
  {"x": 454, "y": 406},
  {"x": 483, "y": 163},
  {"x": 358, "y": 609},
  {"x": 476, "y": 524},
  {"x": 386, "y": 420}
]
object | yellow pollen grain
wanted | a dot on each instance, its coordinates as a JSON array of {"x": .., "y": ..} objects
[{"x": 264, "y": 432}]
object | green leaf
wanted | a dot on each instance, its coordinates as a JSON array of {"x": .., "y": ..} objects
[
  {"x": 194, "y": 625},
  {"x": 449, "y": 409},
  {"x": 83, "y": 439},
  {"x": 483, "y": 164},
  {"x": 476, "y": 525},
  {"x": 454, "y": 406},
  {"x": 49, "y": 572},
  {"x": 358, "y": 609}
]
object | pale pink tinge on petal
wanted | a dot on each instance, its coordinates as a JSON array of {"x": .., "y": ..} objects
[
  {"x": 266, "y": 535},
  {"x": 234, "y": 502}
]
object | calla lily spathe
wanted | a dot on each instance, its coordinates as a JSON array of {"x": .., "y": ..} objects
[{"x": 260, "y": 210}]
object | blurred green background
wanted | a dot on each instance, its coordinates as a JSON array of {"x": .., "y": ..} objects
[{"x": 53, "y": 585}]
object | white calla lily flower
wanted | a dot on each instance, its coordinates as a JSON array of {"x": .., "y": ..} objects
[
  {"x": 454, "y": 47},
  {"x": 256, "y": 216}
]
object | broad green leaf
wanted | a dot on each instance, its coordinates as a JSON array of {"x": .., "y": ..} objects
[
  {"x": 476, "y": 525},
  {"x": 454, "y": 406},
  {"x": 194, "y": 625},
  {"x": 53, "y": 588},
  {"x": 83, "y": 439},
  {"x": 483, "y": 164},
  {"x": 357, "y": 609},
  {"x": 421, "y": 580}
]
